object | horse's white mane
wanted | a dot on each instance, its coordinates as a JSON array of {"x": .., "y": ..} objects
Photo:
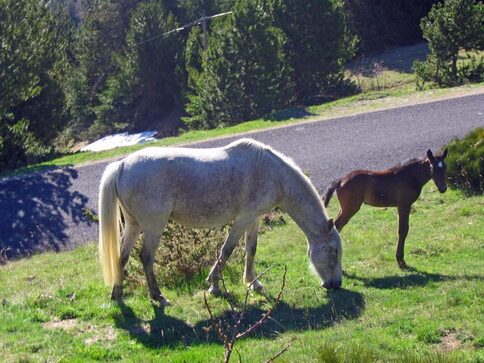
[{"x": 263, "y": 151}]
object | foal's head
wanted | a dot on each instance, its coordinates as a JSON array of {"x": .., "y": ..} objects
[
  {"x": 325, "y": 257},
  {"x": 437, "y": 169}
]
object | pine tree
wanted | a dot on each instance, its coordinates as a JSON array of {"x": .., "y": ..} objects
[
  {"x": 147, "y": 85},
  {"x": 318, "y": 44},
  {"x": 244, "y": 70}
]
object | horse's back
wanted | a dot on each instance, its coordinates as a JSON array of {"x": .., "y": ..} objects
[{"x": 197, "y": 187}]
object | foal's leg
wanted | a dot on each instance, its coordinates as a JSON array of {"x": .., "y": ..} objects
[
  {"x": 151, "y": 242},
  {"x": 403, "y": 216},
  {"x": 130, "y": 235},
  {"x": 250, "y": 250},
  {"x": 214, "y": 276}
]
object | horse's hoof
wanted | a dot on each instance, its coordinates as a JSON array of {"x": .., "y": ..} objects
[
  {"x": 215, "y": 291},
  {"x": 161, "y": 301},
  {"x": 402, "y": 265},
  {"x": 164, "y": 302},
  {"x": 117, "y": 293},
  {"x": 257, "y": 286}
]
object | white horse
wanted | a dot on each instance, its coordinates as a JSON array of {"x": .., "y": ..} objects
[{"x": 206, "y": 188}]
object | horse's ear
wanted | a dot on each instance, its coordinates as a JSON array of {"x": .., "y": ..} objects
[
  {"x": 444, "y": 154},
  {"x": 330, "y": 224},
  {"x": 430, "y": 156}
]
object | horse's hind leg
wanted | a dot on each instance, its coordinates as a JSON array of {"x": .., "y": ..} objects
[
  {"x": 403, "y": 216},
  {"x": 214, "y": 276},
  {"x": 130, "y": 235},
  {"x": 250, "y": 250},
  {"x": 152, "y": 237}
]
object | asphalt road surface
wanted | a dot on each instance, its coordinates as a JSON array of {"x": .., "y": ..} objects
[{"x": 44, "y": 211}]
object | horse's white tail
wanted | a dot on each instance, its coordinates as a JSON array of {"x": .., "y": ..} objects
[{"x": 109, "y": 219}]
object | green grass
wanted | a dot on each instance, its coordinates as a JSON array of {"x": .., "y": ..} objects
[{"x": 55, "y": 307}]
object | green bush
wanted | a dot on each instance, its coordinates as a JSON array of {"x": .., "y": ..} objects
[
  {"x": 465, "y": 163},
  {"x": 452, "y": 27},
  {"x": 185, "y": 255}
]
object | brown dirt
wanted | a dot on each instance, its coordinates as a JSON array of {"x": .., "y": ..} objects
[
  {"x": 67, "y": 324},
  {"x": 449, "y": 342}
]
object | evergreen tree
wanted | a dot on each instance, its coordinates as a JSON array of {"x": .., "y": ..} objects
[
  {"x": 450, "y": 27},
  {"x": 31, "y": 101},
  {"x": 318, "y": 44},
  {"x": 101, "y": 35},
  {"x": 244, "y": 73},
  {"x": 147, "y": 86}
]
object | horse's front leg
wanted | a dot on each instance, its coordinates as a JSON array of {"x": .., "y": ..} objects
[
  {"x": 250, "y": 250},
  {"x": 403, "y": 216},
  {"x": 228, "y": 247}
]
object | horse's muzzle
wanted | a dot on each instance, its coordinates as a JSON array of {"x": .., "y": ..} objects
[
  {"x": 331, "y": 284},
  {"x": 443, "y": 189}
]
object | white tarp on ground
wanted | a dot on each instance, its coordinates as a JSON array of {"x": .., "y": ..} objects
[{"x": 122, "y": 139}]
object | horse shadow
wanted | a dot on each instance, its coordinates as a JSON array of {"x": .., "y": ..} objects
[
  {"x": 164, "y": 330},
  {"x": 414, "y": 278},
  {"x": 36, "y": 211}
]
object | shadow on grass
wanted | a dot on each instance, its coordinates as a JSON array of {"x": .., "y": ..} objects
[
  {"x": 289, "y": 113},
  {"x": 414, "y": 278},
  {"x": 164, "y": 330}
]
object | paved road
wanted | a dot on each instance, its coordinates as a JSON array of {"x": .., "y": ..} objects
[{"x": 45, "y": 211}]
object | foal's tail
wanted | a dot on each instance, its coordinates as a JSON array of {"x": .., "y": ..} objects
[
  {"x": 109, "y": 219},
  {"x": 328, "y": 193}
]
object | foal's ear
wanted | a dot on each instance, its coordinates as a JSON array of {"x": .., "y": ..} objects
[
  {"x": 330, "y": 224},
  {"x": 430, "y": 156},
  {"x": 444, "y": 154}
]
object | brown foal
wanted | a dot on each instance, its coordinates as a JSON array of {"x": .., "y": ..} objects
[{"x": 399, "y": 186}]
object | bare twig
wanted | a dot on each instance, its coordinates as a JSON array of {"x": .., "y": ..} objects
[
  {"x": 281, "y": 352},
  {"x": 266, "y": 315},
  {"x": 228, "y": 334}
]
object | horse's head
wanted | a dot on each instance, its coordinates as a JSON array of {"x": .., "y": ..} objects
[
  {"x": 325, "y": 254},
  {"x": 437, "y": 169}
]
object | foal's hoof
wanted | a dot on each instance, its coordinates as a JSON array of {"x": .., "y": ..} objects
[
  {"x": 402, "y": 265},
  {"x": 215, "y": 290}
]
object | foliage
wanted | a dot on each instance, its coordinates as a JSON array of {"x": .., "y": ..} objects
[
  {"x": 147, "y": 84},
  {"x": 465, "y": 163},
  {"x": 383, "y": 24},
  {"x": 31, "y": 99},
  {"x": 316, "y": 48},
  {"x": 184, "y": 255},
  {"x": 450, "y": 27},
  {"x": 101, "y": 35},
  {"x": 244, "y": 72}
]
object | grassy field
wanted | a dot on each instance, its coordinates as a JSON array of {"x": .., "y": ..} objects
[{"x": 54, "y": 307}]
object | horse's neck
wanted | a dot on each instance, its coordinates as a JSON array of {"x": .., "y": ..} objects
[
  {"x": 302, "y": 203},
  {"x": 421, "y": 173}
]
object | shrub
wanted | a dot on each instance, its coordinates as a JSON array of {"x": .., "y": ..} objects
[
  {"x": 185, "y": 255},
  {"x": 451, "y": 27},
  {"x": 465, "y": 163}
]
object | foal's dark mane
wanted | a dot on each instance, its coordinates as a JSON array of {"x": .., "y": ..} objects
[{"x": 406, "y": 163}]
